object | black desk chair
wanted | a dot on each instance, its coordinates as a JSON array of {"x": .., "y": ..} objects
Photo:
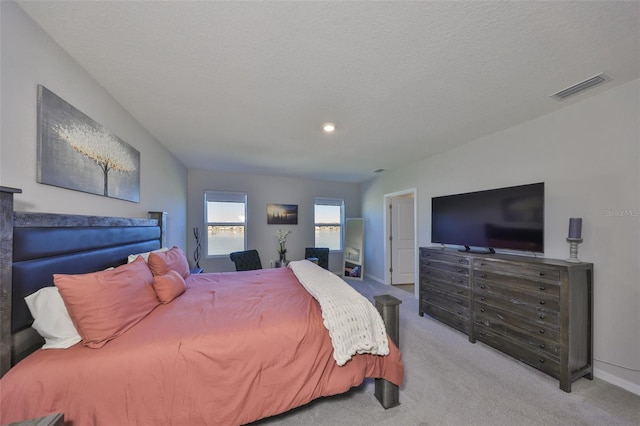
[
  {"x": 320, "y": 253},
  {"x": 248, "y": 260}
]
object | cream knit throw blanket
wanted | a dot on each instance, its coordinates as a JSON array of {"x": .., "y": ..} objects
[{"x": 354, "y": 324}]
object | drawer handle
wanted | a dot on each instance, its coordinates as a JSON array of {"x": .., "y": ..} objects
[
  {"x": 541, "y": 316},
  {"x": 542, "y": 274},
  {"x": 482, "y": 322},
  {"x": 541, "y": 331},
  {"x": 482, "y": 333},
  {"x": 541, "y": 360},
  {"x": 542, "y": 346},
  {"x": 481, "y": 309},
  {"x": 460, "y": 270},
  {"x": 482, "y": 287},
  {"x": 483, "y": 275},
  {"x": 459, "y": 322},
  {"x": 460, "y": 260},
  {"x": 459, "y": 312},
  {"x": 482, "y": 298},
  {"x": 460, "y": 291},
  {"x": 542, "y": 302},
  {"x": 427, "y": 263},
  {"x": 482, "y": 264},
  {"x": 460, "y": 302}
]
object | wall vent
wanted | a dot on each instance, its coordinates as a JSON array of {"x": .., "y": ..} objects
[{"x": 583, "y": 85}]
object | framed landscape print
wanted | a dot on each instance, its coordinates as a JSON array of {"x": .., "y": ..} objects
[
  {"x": 282, "y": 214},
  {"x": 75, "y": 152}
]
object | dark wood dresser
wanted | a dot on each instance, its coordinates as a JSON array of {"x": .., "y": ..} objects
[
  {"x": 536, "y": 310},
  {"x": 445, "y": 288}
]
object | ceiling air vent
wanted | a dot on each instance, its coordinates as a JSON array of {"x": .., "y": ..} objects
[{"x": 584, "y": 85}]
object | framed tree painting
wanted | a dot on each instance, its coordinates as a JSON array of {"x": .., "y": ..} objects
[{"x": 75, "y": 152}]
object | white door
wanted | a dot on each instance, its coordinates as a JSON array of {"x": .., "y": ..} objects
[{"x": 402, "y": 243}]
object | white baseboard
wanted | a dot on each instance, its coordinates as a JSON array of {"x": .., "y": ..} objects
[
  {"x": 614, "y": 380},
  {"x": 371, "y": 277}
]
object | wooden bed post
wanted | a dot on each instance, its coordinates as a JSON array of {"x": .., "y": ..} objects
[
  {"x": 389, "y": 307},
  {"x": 6, "y": 261},
  {"x": 161, "y": 217}
]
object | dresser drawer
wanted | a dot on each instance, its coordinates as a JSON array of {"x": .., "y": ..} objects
[
  {"x": 428, "y": 255},
  {"x": 535, "y": 336},
  {"x": 453, "y": 289},
  {"x": 522, "y": 284},
  {"x": 451, "y": 302},
  {"x": 459, "y": 321},
  {"x": 539, "y": 359},
  {"x": 457, "y": 276},
  {"x": 544, "y": 323},
  {"x": 529, "y": 270},
  {"x": 512, "y": 299}
]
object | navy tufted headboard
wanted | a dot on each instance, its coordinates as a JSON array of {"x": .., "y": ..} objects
[{"x": 43, "y": 244}]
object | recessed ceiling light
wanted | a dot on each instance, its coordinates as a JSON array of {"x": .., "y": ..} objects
[{"x": 329, "y": 127}]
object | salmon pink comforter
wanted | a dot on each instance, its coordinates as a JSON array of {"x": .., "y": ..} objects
[{"x": 234, "y": 348}]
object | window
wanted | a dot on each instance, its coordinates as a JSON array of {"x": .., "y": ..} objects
[
  {"x": 328, "y": 218},
  {"x": 226, "y": 215}
]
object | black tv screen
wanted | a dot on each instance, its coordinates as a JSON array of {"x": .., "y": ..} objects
[{"x": 504, "y": 218}]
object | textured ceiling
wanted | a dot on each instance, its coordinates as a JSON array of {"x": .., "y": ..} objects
[{"x": 246, "y": 86}]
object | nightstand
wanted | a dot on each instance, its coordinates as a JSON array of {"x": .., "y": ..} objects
[{"x": 56, "y": 419}]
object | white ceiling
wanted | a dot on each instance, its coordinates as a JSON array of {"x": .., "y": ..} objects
[{"x": 246, "y": 86}]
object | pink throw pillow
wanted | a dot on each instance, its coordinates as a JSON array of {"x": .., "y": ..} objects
[
  {"x": 170, "y": 260},
  {"x": 103, "y": 305},
  {"x": 169, "y": 286}
]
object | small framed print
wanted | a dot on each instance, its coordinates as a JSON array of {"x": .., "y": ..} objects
[{"x": 282, "y": 214}]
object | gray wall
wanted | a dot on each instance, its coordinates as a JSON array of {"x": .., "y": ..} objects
[
  {"x": 589, "y": 158},
  {"x": 262, "y": 190},
  {"x": 30, "y": 57}
]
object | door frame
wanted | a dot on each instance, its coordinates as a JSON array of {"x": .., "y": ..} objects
[{"x": 387, "y": 232}]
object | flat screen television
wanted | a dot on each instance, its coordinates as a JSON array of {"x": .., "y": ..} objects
[{"x": 509, "y": 218}]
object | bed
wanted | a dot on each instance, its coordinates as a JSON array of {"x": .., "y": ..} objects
[{"x": 232, "y": 348}]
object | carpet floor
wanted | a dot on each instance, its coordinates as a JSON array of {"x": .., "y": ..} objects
[{"x": 450, "y": 381}]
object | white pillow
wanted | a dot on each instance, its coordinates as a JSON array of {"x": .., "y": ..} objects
[
  {"x": 51, "y": 319},
  {"x": 145, "y": 255}
]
